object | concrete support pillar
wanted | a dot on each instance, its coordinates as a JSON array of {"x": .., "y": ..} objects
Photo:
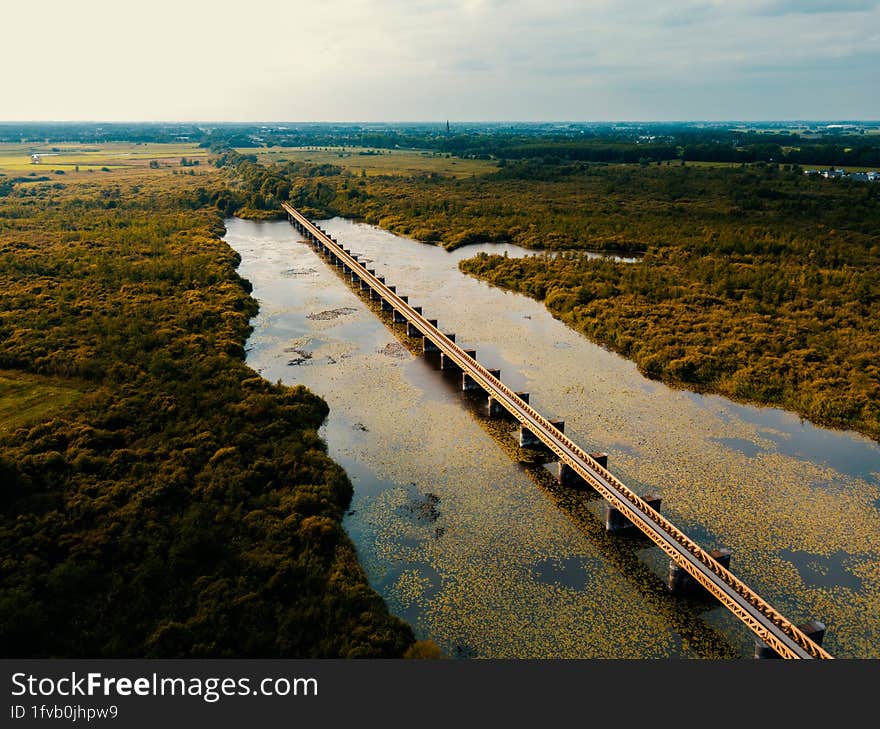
[
  {"x": 468, "y": 383},
  {"x": 615, "y": 520},
  {"x": 680, "y": 582},
  {"x": 447, "y": 363},
  {"x": 600, "y": 458},
  {"x": 813, "y": 629},
  {"x": 495, "y": 409},
  {"x": 527, "y": 439},
  {"x": 567, "y": 476}
]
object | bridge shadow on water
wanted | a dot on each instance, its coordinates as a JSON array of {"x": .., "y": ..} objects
[{"x": 629, "y": 551}]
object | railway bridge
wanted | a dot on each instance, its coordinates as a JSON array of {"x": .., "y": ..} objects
[{"x": 689, "y": 562}]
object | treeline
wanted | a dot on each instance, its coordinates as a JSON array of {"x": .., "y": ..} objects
[
  {"x": 256, "y": 191},
  {"x": 184, "y": 507},
  {"x": 94, "y": 133},
  {"x": 669, "y": 143},
  {"x": 580, "y": 205},
  {"x": 846, "y": 145}
]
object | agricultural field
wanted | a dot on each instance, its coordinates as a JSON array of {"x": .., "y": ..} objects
[
  {"x": 377, "y": 161},
  {"x": 76, "y": 158}
]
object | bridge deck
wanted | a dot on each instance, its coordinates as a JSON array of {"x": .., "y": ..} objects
[{"x": 758, "y": 615}]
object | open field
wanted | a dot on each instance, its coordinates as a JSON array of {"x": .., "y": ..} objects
[
  {"x": 26, "y": 398},
  {"x": 17, "y": 159},
  {"x": 376, "y": 161}
]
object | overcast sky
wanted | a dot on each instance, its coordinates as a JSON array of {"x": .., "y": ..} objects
[{"x": 412, "y": 60}]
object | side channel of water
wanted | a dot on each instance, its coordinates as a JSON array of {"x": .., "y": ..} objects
[{"x": 470, "y": 540}]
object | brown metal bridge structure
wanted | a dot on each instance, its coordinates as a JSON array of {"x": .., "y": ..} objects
[{"x": 690, "y": 564}]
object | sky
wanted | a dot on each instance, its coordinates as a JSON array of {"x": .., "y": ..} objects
[{"x": 428, "y": 60}]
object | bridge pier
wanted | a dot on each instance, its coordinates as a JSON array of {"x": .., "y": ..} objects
[
  {"x": 616, "y": 521},
  {"x": 496, "y": 409},
  {"x": 468, "y": 383},
  {"x": 386, "y": 305},
  {"x": 813, "y": 629},
  {"x": 567, "y": 476},
  {"x": 447, "y": 363},
  {"x": 527, "y": 439},
  {"x": 680, "y": 582}
]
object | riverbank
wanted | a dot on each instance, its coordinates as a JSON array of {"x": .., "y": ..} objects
[{"x": 179, "y": 506}]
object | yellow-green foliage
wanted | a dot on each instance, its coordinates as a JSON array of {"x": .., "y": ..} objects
[
  {"x": 769, "y": 291},
  {"x": 182, "y": 506},
  {"x": 758, "y": 283},
  {"x": 372, "y": 162}
]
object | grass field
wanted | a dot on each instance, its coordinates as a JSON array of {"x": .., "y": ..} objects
[
  {"x": 26, "y": 398},
  {"x": 17, "y": 159},
  {"x": 380, "y": 162}
]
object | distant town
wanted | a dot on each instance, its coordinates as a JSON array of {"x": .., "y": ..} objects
[{"x": 834, "y": 173}]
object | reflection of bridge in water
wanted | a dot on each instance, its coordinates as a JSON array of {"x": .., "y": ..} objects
[{"x": 690, "y": 564}]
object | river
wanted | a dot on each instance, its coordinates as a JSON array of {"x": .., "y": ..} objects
[{"x": 471, "y": 541}]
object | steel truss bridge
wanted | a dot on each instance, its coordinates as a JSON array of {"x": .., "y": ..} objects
[{"x": 767, "y": 623}]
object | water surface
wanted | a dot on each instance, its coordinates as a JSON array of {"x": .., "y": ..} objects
[{"x": 469, "y": 538}]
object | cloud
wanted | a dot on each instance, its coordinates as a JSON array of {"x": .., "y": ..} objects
[
  {"x": 812, "y": 7},
  {"x": 429, "y": 59}
]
